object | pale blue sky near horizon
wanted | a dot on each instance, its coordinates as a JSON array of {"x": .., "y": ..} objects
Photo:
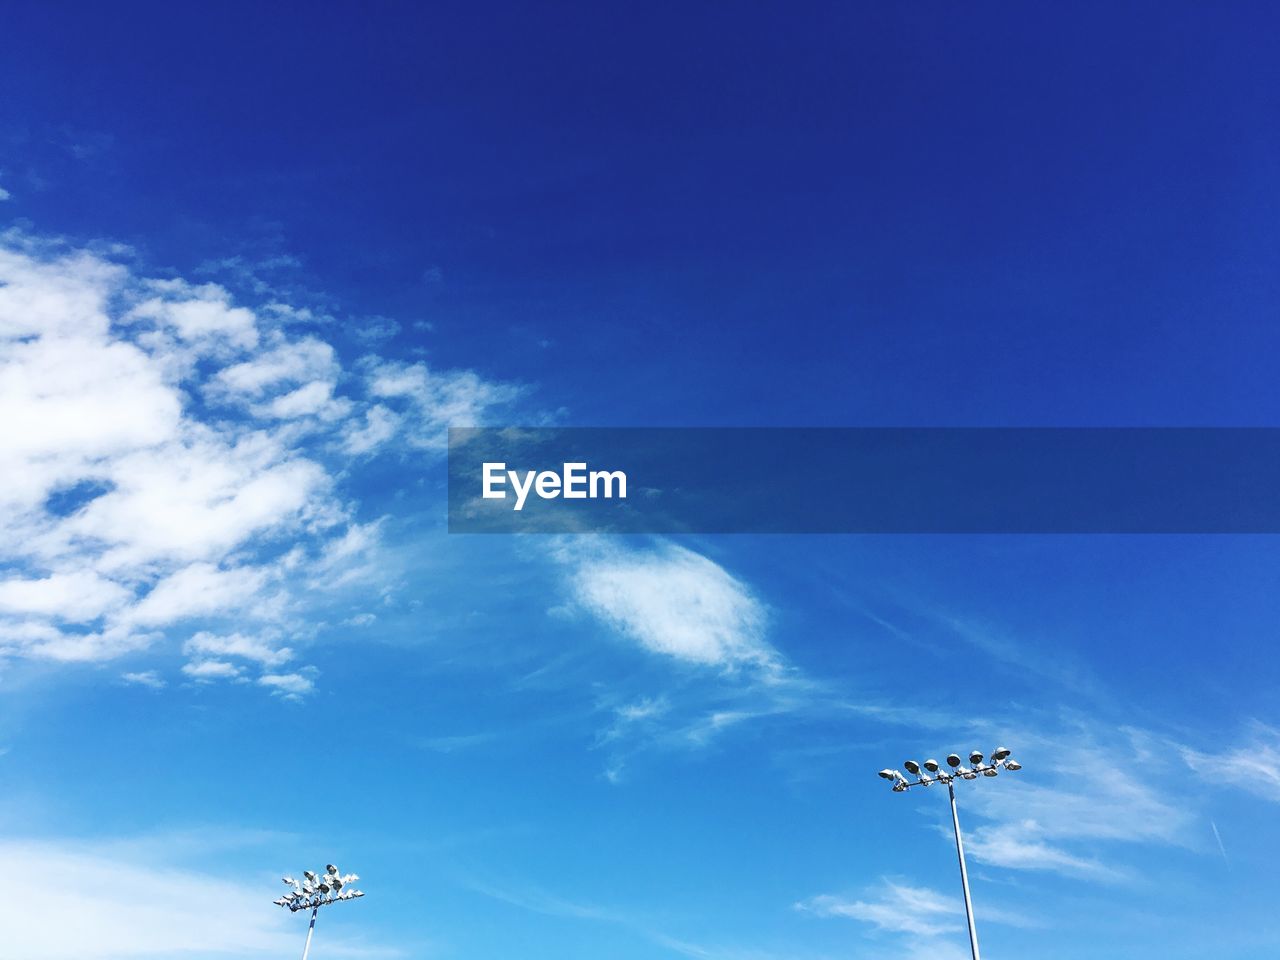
[{"x": 254, "y": 262}]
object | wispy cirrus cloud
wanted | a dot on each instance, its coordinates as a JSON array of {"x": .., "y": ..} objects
[
  {"x": 130, "y": 902},
  {"x": 1093, "y": 791},
  {"x": 893, "y": 907},
  {"x": 537, "y": 900},
  {"x": 709, "y": 631},
  {"x": 927, "y": 922},
  {"x": 673, "y": 602},
  {"x": 1252, "y": 765}
]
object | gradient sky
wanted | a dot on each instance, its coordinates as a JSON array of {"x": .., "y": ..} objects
[{"x": 255, "y": 261}]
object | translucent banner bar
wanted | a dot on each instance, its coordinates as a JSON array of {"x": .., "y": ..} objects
[{"x": 864, "y": 480}]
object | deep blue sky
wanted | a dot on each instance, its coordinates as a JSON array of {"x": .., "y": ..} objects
[
  {"x": 802, "y": 216},
  {"x": 846, "y": 214}
]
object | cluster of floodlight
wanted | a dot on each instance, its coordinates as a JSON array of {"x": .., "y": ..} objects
[
  {"x": 318, "y": 890},
  {"x": 930, "y": 771}
]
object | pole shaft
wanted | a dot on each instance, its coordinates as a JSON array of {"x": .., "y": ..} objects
[
  {"x": 964, "y": 877},
  {"x": 311, "y": 928}
]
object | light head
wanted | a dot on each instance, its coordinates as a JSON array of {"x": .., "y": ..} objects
[
  {"x": 953, "y": 759},
  {"x": 975, "y": 757},
  {"x": 889, "y": 774},
  {"x": 1000, "y": 753},
  {"x": 912, "y": 768},
  {"x": 931, "y": 765},
  {"x": 1012, "y": 764}
]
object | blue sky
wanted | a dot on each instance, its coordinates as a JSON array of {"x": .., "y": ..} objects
[{"x": 254, "y": 264}]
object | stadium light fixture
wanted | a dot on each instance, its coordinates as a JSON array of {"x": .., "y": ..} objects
[
  {"x": 1001, "y": 758},
  {"x": 316, "y": 891}
]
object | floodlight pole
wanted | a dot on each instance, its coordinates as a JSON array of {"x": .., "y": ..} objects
[
  {"x": 316, "y": 892},
  {"x": 926, "y": 775},
  {"x": 964, "y": 877},
  {"x": 311, "y": 928}
]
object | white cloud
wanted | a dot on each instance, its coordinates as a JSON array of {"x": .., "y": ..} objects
[
  {"x": 145, "y": 678},
  {"x": 632, "y": 716},
  {"x": 198, "y": 313},
  {"x": 925, "y": 922},
  {"x": 295, "y": 378},
  {"x": 437, "y": 399},
  {"x": 77, "y": 597},
  {"x": 42, "y": 640},
  {"x": 894, "y": 908},
  {"x": 291, "y": 686},
  {"x": 673, "y": 602},
  {"x": 380, "y": 425},
  {"x": 172, "y": 456},
  {"x": 194, "y": 500},
  {"x": 686, "y": 610},
  {"x": 254, "y": 648},
  {"x": 1021, "y": 846},
  {"x": 211, "y": 670},
  {"x": 1094, "y": 788},
  {"x": 120, "y": 504},
  {"x": 1253, "y": 766},
  {"x": 126, "y": 906},
  {"x": 289, "y": 363},
  {"x": 376, "y": 328},
  {"x": 346, "y": 558},
  {"x": 312, "y": 399},
  {"x": 198, "y": 590}
]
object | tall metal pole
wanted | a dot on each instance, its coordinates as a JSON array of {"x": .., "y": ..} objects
[
  {"x": 312, "y": 927},
  {"x": 964, "y": 878}
]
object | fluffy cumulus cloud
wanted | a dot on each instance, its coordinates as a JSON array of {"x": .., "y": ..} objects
[
  {"x": 172, "y": 461},
  {"x": 257, "y": 649}
]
